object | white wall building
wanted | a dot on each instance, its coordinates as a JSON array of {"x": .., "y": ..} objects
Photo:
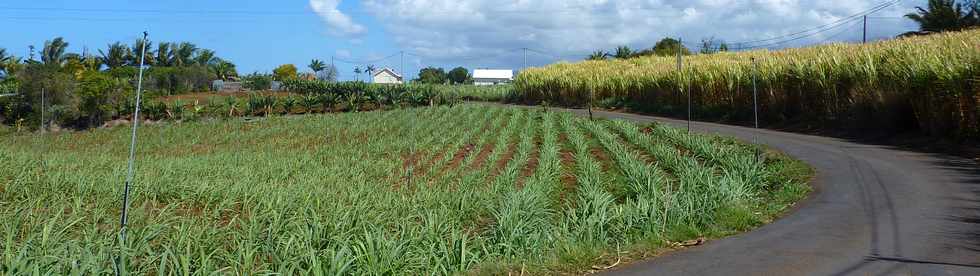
[
  {"x": 386, "y": 75},
  {"x": 492, "y": 76}
]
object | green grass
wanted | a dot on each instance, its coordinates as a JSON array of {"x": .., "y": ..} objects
[{"x": 437, "y": 190}]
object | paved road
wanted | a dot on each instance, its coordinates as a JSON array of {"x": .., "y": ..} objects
[{"x": 875, "y": 210}]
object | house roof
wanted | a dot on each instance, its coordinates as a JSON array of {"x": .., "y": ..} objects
[
  {"x": 493, "y": 74},
  {"x": 392, "y": 72}
]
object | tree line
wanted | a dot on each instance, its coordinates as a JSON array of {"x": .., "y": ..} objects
[{"x": 84, "y": 89}]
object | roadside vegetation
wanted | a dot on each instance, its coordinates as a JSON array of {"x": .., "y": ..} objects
[
  {"x": 436, "y": 190},
  {"x": 928, "y": 83}
]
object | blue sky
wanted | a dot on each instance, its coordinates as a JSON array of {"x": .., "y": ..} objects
[{"x": 259, "y": 35}]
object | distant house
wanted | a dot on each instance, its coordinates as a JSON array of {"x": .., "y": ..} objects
[
  {"x": 492, "y": 76},
  {"x": 386, "y": 75}
]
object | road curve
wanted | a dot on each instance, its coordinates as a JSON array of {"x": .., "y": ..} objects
[{"x": 875, "y": 210}]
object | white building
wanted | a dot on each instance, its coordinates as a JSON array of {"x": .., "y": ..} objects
[
  {"x": 386, "y": 75},
  {"x": 492, "y": 76}
]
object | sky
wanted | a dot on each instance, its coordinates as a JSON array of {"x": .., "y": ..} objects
[{"x": 259, "y": 35}]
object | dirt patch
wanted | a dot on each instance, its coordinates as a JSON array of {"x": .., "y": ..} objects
[
  {"x": 409, "y": 161},
  {"x": 534, "y": 160},
  {"x": 504, "y": 159},
  {"x": 481, "y": 157},
  {"x": 457, "y": 159},
  {"x": 568, "y": 179}
]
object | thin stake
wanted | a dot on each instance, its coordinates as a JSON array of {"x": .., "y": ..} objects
[
  {"x": 755, "y": 92},
  {"x": 755, "y": 108},
  {"x": 132, "y": 149},
  {"x": 42, "y": 109},
  {"x": 680, "y": 66}
]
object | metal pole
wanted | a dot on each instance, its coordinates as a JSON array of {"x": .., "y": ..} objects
[
  {"x": 42, "y": 108},
  {"x": 755, "y": 93},
  {"x": 132, "y": 148},
  {"x": 865, "y": 39}
]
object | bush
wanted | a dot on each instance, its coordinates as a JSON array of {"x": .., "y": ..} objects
[{"x": 257, "y": 82}]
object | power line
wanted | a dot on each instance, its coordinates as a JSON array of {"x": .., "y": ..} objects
[
  {"x": 568, "y": 9},
  {"x": 822, "y": 28},
  {"x": 356, "y": 62}
]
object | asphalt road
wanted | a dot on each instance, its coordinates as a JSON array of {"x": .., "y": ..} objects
[{"x": 875, "y": 210}]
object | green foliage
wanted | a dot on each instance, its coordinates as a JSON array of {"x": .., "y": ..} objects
[
  {"x": 432, "y": 75},
  {"x": 598, "y": 55},
  {"x": 667, "y": 47},
  {"x": 284, "y": 72},
  {"x": 317, "y": 65},
  {"x": 459, "y": 75},
  {"x": 101, "y": 95},
  {"x": 53, "y": 52},
  {"x": 116, "y": 55},
  {"x": 623, "y": 52},
  {"x": 257, "y": 82},
  {"x": 947, "y": 15},
  {"x": 420, "y": 191},
  {"x": 177, "y": 79}
]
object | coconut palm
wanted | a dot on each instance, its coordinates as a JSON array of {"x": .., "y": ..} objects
[
  {"x": 223, "y": 69},
  {"x": 54, "y": 51},
  {"x": 4, "y": 59},
  {"x": 137, "y": 50},
  {"x": 164, "y": 54},
  {"x": 205, "y": 57},
  {"x": 598, "y": 55},
  {"x": 945, "y": 15},
  {"x": 357, "y": 71},
  {"x": 116, "y": 55},
  {"x": 370, "y": 70},
  {"x": 317, "y": 65},
  {"x": 184, "y": 54}
]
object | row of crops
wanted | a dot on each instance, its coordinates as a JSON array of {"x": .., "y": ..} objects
[
  {"x": 305, "y": 97},
  {"x": 926, "y": 83},
  {"x": 417, "y": 191}
]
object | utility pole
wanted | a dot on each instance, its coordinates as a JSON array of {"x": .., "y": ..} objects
[
  {"x": 525, "y": 59},
  {"x": 865, "y": 39},
  {"x": 132, "y": 157}
]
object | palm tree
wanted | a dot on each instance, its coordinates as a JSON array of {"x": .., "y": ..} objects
[
  {"x": 945, "y": 15},
  {"x": 54, "y": 51},
  {"x": 598, "y": 55},
  {"x": 357, "y": 71},
  {"x": 623, "y": 52},
  {"x": 370, "y": 70},
  {"x": 164, "y": 54},
  {"x": 317, "y": 65},
  {"x": 223, "y": 69},
  {"x": 116, "y": 55},
  {"x": 4, "y": 59},
  {"x": 184, "y": 54},
  {"x": 137, "y": 50},
  {"x": 205, "y": 57}
]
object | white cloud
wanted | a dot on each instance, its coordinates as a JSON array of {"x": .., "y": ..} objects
[
  {"x": 462, "y": 29},
  {"x": 338, "y": 23}
]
